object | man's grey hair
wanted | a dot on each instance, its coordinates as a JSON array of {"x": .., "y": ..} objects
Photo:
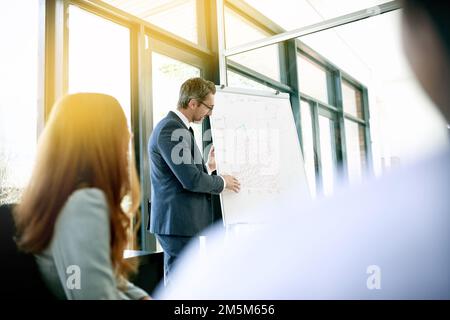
[{"x": 195, "y": 88}]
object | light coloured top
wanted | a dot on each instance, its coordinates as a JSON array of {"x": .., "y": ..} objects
[
  {"x": 386, "y": 238},
  {"x": 81, "y": 247}
]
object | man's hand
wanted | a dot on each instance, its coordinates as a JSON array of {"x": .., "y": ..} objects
[
  {"x": 211, "y": 160},
  {"x": 232, "y": 183}
]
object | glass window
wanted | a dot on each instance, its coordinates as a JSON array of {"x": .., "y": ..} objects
[
  {"x": 291, "y": 14},
  {"x": 99, "y": 57},
  {"x": 238, "y": 81},
  {"x": 263, "y": 60},
  {"x": 176, "y": 16},
  {"x": 390, "y": 83},
  {"x": 308, "y": 146},
  {"x": 327, "y": 154},
  {"x": 167, "y": 77},
  {"x": 312, "y": 79},
  {"x": 239, "y": 31},
  {"x": 352, "y": 100},
  {"x": 356, "y": 150},
  {"x": 18, "y": 96}
]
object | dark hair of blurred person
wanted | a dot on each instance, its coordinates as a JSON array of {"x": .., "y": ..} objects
[{"x": 426, "y": 39}]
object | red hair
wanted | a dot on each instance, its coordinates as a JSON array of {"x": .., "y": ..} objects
[{"x": 85, "y": 144}]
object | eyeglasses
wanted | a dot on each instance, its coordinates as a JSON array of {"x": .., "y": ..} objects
[{"x": 209, "y": 107}]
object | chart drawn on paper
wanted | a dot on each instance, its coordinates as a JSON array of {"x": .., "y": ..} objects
[{"x": 255, "y": 139}]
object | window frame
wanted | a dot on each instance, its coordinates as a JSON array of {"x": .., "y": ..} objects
[
  {"x": 207, "y": 55},
  {"x": 55, "y": 41},
  {"x": 334, "y": 85},
  {"x": 289, "y": 83}
]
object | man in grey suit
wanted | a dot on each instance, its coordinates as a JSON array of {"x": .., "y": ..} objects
[{"x": 182, "y": 184}]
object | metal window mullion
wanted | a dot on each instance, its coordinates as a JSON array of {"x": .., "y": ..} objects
[
  {"x": 135, "y": 103},
  {"x": 284, "y": 62},
  {"x": 146, "y": 51},
  {"x": 56, "y": 40},
  {"x": 322, "y": 104},
  {"x": 212, "y": 67},
  {"x": 64, "y": 73},
  {"x": 253, "y": 16},
  {"x": 134, "y": 92},
  {"x": 121, "y": 17},
  {"x": 325, "y": 112},
  {"x": 201, "y": 23},
  {"x": 258, "y": 77},
  {"x": 41, "y": 107},
  {"x": 326, "y": 107},
  {"x": 288, "y": 64},
  {"x": 331, "y": 88},
  {"x": 316, "y": 143},
  {"x": 368, "y": 140},
  {"x": 220, "y": 18},
  {"x": 334, "y": 134},
  {"x": 317, "y": 27},
  {"x": 342, "y": 162},
  {"x": 354, "y": 119},
  {"x": 212, "y": 71}
]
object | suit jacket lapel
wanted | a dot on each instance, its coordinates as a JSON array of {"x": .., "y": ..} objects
[{"x": 173, "y": 115}]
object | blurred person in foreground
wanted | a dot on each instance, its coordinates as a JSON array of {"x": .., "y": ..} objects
[
  {"x": 71, "y": 215},
  {"x": 385, "y": 239}
]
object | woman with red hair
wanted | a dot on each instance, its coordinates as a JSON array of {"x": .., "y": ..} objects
[{"x": 71, "y": 216}]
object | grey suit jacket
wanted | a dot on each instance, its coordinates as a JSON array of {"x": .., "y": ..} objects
[
  {"x": 81, "y": 242},
  {"x": 181, "y": 187}
]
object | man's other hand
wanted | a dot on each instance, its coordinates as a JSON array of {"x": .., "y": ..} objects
[
  {"x": 232, "y": 183},
  {"x": 212, "y": 160}
]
